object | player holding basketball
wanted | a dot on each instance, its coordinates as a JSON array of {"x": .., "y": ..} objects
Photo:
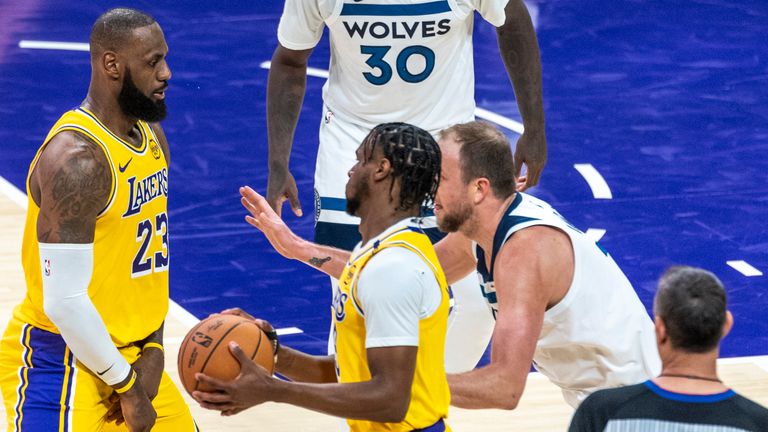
[
  {"x": 560, "y": 301},
  {"x": 396, "y": 60},
  {"x": 84, "y": 347},
  {"x": 390, "y": 311}
]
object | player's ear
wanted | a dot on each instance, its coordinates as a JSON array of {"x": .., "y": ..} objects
[
  {"x": 481, "y": 189},
  {"x": 110, "y": 64},
  {"x": 383, "y": 169},
  {"x": 728, "y": 324},
  {"x": 661, "y": 330}
]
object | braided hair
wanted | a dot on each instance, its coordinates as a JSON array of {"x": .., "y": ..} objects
[{"x": 415, "y": 159}]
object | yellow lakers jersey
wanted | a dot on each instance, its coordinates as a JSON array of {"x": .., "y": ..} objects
[
  {"x": 129, "y": 286},
  {"x": 430, "y": 395}
]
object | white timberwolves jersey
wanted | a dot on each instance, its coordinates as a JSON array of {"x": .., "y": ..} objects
[
  {"x": 394, "y": 60},
  {"x": 599, "y": 335}
]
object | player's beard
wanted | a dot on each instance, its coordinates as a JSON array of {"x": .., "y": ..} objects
[
  {"x": 136, "y": 104},
  {"x": 359, "y": 193},
  {"x": 452, "y": 221}
]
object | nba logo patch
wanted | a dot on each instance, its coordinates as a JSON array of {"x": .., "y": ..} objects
[
  {"x": 47, "y": 267},
  {"x": 328, "y": 116}
]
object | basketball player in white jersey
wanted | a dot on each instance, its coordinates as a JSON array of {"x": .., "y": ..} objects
[
  {"x": 560, "y": 301},
  {"x": 396, "y": 60}
]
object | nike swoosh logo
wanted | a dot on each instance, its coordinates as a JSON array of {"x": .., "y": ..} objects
[
  {"x": 107, "y": 369},
  {"x": 123, "y": 167}
]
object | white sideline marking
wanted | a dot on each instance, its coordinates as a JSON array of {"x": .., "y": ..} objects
[
  {"x": 51, "y": 45},
  {"x": 315, "y": 72},
  {"x": 595, "y": 234},
  {"x": 182, "y": 314},
  {"x": 595, "y": 180},
  {"x": 20, "y": 198},
  {"x": 13, "y": 193},
  {"x": 288, "y": 331},
  {"x": 744, "y": 268}
]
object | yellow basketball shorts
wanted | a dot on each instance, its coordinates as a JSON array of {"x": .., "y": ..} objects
[{"x": 46, "y": 389}]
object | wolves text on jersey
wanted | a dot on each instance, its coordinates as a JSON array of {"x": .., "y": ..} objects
[
  {"x": 145, "y": 190},
  {"x": 398, "y": 30}
]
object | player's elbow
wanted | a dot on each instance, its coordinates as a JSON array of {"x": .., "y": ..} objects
[
  {"x": 394, "y": 408},
  {"x": 58, "y": 311},
  {"x": 509, "y": 403}
]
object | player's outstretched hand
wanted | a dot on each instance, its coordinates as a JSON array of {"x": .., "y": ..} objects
[
  {"x": 250, "y": 388},
  {"x": 281, "y": 187},
  {"x": 531, "y": 150},
  {"x": 267, "y": 221}
]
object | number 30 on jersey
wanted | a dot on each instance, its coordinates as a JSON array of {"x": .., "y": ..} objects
[{"x": 384, "y": 75}]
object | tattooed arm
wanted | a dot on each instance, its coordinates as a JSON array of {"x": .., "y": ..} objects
[
  {"x": 71, "y": 184},
  {"x": 327, "y": 259}
]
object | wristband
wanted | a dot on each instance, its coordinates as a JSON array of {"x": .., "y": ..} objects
[
  {"x": 152, "y": 345},
  {"x": 129, "y": 384}
]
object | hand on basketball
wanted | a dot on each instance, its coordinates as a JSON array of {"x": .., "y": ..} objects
[
  {"x": 531, "y": 150},
  {"x": 264, "y": 325},
  {"x": 268, "y": 222},
  {"x": 250, "y": 388},
  {"x": 281, "y": 186}
]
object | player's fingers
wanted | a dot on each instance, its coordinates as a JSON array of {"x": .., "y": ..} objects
[
  {"x": 214, "y": 406},
  {"x": 518, "y": 164},
  {"x": 211, "y": 382},
  {"x": 253, "y": 222},
  {"x": 236, "y": 311},
  {"x": 264, "y": 325},
  {"x": 211, "y": 398},
  {"x": 534, "y": 172},
  {"x": 113, "y": 413},
  {"x": 520, "y": 183},
  {"x": 231, "y": 412},
  {"x": 249, "y": 206},
  {"x": 295, "y": 204},
  {"x": 234, "y": 348}
]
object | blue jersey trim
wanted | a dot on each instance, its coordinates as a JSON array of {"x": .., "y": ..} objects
[
  {"x": 338, "y": 204},
  {"x": 691, "y": 398},
  {"x": 507, "y": 222},
  {"x": 431, "y": 8}
]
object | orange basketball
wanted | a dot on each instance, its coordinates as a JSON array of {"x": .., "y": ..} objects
[{"x": 205, "y": 349}]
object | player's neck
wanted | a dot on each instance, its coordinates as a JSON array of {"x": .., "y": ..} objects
[
  {"x": 691, "y": 373},
  {"x": 486, "y": 219},
  {"x": 108, "y": 111},
  {"x": 374, "y": 222}
]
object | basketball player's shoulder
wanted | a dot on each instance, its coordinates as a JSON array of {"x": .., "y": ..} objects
[{"x": 74, "y": 149}]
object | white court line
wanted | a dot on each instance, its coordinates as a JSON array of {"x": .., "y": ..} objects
[
  {"x": 744, "y": 268},
  {"x": 288, "y": 331},
  {"x": 174, "y": 309},
  {"x": 13, "y": 193},
  {"x": 595, "y": 234},
  {"x": 513, "y": 125},
  {"x": 595, "y": 180},
  {"x": 51, "y": 45},
  {"x": 315, "y": 72}
]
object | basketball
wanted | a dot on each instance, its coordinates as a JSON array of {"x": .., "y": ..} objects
[{"x": 205, "y": 349}]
